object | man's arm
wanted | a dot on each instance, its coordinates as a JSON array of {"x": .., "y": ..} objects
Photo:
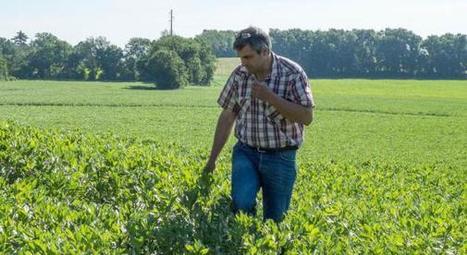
[
  {"x": 291, "y": 111},
  {"x": 223, "y": 130}
]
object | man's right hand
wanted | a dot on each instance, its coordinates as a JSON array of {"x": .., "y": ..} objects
[
  {"x": 210, "y": 166},
  {"x": 223, "y": 129}
]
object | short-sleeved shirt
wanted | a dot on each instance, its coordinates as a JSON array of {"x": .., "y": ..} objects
[{"x": 258, "y": 123}]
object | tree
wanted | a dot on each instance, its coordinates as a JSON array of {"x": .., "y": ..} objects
[
  {"x": 96, "y": 59},
  {"x": 135, "y": 51},
  {"x": 20, "y": 38},
  {"x": 365, "y": 51},
  {"x": 3, "y": 69},
  {"x": 7, "y": 52},
  {"x": 48, "y": 56},
  {"x": 447, "y": 56},
  {"x": 208, "y": 64},
  {"x": 221, "y": 42},
  {"x": 396, "y": 52},
  {"x": 84, "y": 59},
  {"x": 168, "y": 69},
  {"x": 196, "y": 57},
  {"x": 16, "y": 56},
  {"x": 111, "y": 62}
]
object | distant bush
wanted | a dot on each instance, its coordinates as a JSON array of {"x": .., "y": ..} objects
[
  {"x": 198, "y": 62},
  {"x": 168, "y": 69}
]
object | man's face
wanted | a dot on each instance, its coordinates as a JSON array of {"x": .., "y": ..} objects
[{"x": 251, "y": 60}]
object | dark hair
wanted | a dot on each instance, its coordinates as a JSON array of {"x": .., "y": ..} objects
[{"x": 253, "y": 36}]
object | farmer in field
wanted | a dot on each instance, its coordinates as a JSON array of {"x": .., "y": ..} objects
[{"x": 269, "y": 99}]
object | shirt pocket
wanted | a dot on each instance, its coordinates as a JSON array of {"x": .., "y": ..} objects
[
  {"x": 273, "y": 115},
  {"x": 244, "y": 102}
]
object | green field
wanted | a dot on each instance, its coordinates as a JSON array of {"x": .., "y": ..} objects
[
  {"x": 408, "y": 121},
  {"x": 382, "y": 170}
]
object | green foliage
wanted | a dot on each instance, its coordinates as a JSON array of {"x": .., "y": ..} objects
[
  {"x": 198, "y": 61},
  {"x": 73, "y": 193},
  {"x": 221, "y": 42},
  {"x": 356, "y": 120},
  {"x": 16, "y": 52},
  {"x": 96, "y": 59},
  {"x": 389, "y": 53},
  {"x": 48, "y": 57},
  {"x": 445, "y": 56},
  {"x": 3, "y": 69},
  {"x": 168, "y": 69},
  {"x": 366, "y": 53},
  {"x": 20, "y": 38},
  {"x": 135, "y": 51},
  {"x": 382, "y": 171}
]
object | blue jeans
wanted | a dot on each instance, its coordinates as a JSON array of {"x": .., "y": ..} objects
[{"x": 273, "y": 172}]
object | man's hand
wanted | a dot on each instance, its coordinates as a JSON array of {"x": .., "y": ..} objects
[
  {"x": 290, "y": 110},
  {"x": 210, "y": 167},
  {"x": 261, "y": 91}
]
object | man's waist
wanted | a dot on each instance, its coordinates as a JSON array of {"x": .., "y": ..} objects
[{"x": 270, "y": 150}]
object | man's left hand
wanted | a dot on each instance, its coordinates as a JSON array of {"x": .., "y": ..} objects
[{"x": 261, "y": 92}]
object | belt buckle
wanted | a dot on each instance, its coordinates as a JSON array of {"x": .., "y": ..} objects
[{"x": 258, "y": 149}]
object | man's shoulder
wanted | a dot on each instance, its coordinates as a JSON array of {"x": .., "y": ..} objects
[
  {"x": 240, "y": 71},
  {"x": 288, "y": 66}
]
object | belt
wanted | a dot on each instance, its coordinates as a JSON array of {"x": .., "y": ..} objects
[{"x": 271, "y": 150}]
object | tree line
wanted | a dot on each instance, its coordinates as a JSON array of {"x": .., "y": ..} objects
[
  {"x": 170, "y": 61},
  {"x": 174, "y": 61},
  {"x": 389, "y": 53}
]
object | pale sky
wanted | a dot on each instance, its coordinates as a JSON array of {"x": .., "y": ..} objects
[{"x": 120, "y": 20}]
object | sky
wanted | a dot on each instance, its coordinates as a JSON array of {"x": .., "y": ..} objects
[{"x": 120, "y": 20}]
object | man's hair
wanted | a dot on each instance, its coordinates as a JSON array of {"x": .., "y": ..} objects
[{"x": 253, "y": 36}]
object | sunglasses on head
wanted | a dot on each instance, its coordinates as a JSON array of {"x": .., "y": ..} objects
[
  {"x": 243, "y": 35},
  {"x": 246, "y": 35}
]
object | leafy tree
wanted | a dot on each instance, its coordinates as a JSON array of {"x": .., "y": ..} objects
[
  {"x": 196, "y": 57},
  {"x": 111, "y": 62},
  {"x": 96, "y": 59},
  {"x": 85, "y": 59},
  {"x": 208, "y": 64},
  {"x": 7, "y": 51},
  {"x": 220, "y": 42},
  {"x": 135, "y": 51},
  {"x": 446, "y": 56},
  {"x": 3, "y": 69},
  {"x": 168, "y": 69},
  {"x": 19, "y": 62},
  {"x": 397, "y": 51},
  {"x": 20, "y": 38},
  {"x": 365, "y": 51},
  {"x": 16, "y": 55},
  {"x": 49, "y": 56}
]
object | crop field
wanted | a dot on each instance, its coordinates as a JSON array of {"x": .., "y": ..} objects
[{"x": 115, "y": 168}]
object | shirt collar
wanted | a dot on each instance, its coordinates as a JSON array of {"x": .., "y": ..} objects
[{"x": 274, "y": 67}]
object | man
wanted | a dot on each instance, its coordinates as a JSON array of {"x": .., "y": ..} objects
[{"x": 269, "y": 98}]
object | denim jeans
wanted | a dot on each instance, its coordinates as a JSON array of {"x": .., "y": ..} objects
[{"x": 273, "y": 172}]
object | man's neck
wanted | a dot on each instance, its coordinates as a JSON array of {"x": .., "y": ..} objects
[{"x": 261, "y": 75}]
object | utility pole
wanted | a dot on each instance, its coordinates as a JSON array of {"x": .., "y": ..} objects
[{"x": 171, "y": 22}]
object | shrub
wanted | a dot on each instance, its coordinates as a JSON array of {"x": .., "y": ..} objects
[
  {"x": 169, "y": 70},
  {"x": 195, "y": 55}
]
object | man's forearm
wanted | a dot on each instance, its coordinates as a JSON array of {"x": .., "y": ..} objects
[
  {"x": 291, "y": 111},
  {"x": 223, "y": 130}
]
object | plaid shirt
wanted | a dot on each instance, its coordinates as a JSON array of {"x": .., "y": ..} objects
[{"x": 258, "y": 123}]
